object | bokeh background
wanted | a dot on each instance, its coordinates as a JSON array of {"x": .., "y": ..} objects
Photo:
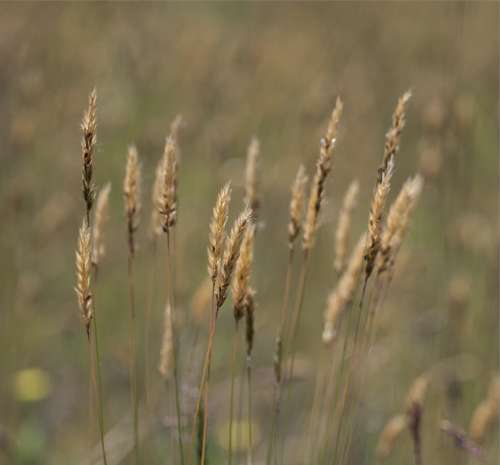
[{"x": 235, "y": 70}]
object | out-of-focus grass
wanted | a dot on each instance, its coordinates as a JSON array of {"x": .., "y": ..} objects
[{"x": 235, "y": 70}]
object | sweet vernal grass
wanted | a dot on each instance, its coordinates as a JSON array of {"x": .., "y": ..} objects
[{"x": 348, "y": 330}]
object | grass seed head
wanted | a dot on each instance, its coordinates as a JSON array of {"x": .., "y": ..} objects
[
  {"x": 83, "y": 275},
  {"x": 89, "y": 141}
]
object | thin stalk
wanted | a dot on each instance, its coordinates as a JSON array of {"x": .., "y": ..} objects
[
  {"x": 297, "y": 312},
  {"x": 133, "y": 362},
  {"x": 207, "y": 378},
  {"x": 174, "y": 350},
  {"x": 250, "y": 419},
  {"x": 319, "y": 389},
  {"x": 333, "y": 393},
  {"x": 100, "y": 410},
  {"x": 292, "y": 333},
  {"x": 236, "y": 347},
  {"x": 279, "y": 341},
  {"x": 147, "y": 325}
]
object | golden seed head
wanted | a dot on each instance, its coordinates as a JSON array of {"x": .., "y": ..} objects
[
  {"x": 217, "y": 232},
  {"x": 83, "y": 274},
  {"x": 252, "y": 200},
  {"x": 398, "y": 220},
  {"x": 100, "y": 219},
  {"x": 375, "y": 218},
  {"x": 241, "y": 281},
  {"x": 231, "y": 254},
  {"x": 131, "y": 190},
  {"x": 89, "y": 140},
  {"x": 417, "y": 392},
  {"x": 343, "y": 294},
  {"x": 393, "y": 136},
  {"x": 390, "y": 434},
  {"x": 166, "y": 353},
  {"x": 296, "y": 205},
  {"x": 344, "y": 225},
  {"x": 331, "y": 132},
  {"x": 482, "y": 419},
  {"x": 323, "y": 168},
  {"x": 167, "y": 206}
]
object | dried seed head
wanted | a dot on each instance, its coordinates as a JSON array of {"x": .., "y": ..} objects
[
  {"x": 375, "y": 218},
  {"x": 397, "y": 221},
  {"x": 176, "y": 126},
  {"x": 241, "y": 279},
  {"x": 296, "y": 205},
  {"x": 89, "y": 140},
  {"x": 252, "y": 200},
  {"x": 344, "y": 225},
  {"x": 331, "y": 132},
  {"x": 344, "y": 292},
  {"x": 83, "y": 273},
  {"x": 393, "y": 136},
  {"x": 132, "y": 190},
  {"x": 414, "y": 411},
  {"x": 217, "y": 232},
  {"x": 100, "y": 219},
  {"x": 482, "y": 420},
  {"x": 416, "y": 394},
  {"x": 166, "y": 353},
  {"x": 231, "y": 254},
  {"x": 390, "y": 434},
  {"x": 167, "y": 205},
  {"x": 323, "y": 168}
]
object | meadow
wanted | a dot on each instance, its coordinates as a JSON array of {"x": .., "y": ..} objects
[{"x": 280, "y": 221}]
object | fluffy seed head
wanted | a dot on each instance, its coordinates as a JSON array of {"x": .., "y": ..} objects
[
  {"x": 167, "y": 206},
  {"x": 252, "y": 200},
  {"x": 340, "y": 297},
  {"x": 482, "y": 419},
  {"x": 231, "y": 254},
  {"x": 323, "y": 168},
  {"x": 296, "y": 205},
  {"x": 344, "y": 225},
  {"x": 89, "y": 140},
  {"x": 241, "y": 279},
  {"x": 375, "y": 218},
  {"x": 166, "y": 354},
  {"x": 132, "y": 190},
  {"x": 393, "y": 136},
  {"x": 83, "y": 273},
  {"x": 390, "y": 434},
  {"x": 397, "y": 221},
  {"x": 217, "y": 232},
  {"x": 101, "y": 217}
]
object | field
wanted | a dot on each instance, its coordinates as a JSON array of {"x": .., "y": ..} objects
[{"x": 418, "y": 351}]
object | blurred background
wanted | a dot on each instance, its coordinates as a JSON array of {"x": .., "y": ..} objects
[{"x": 271, "y": 70}]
